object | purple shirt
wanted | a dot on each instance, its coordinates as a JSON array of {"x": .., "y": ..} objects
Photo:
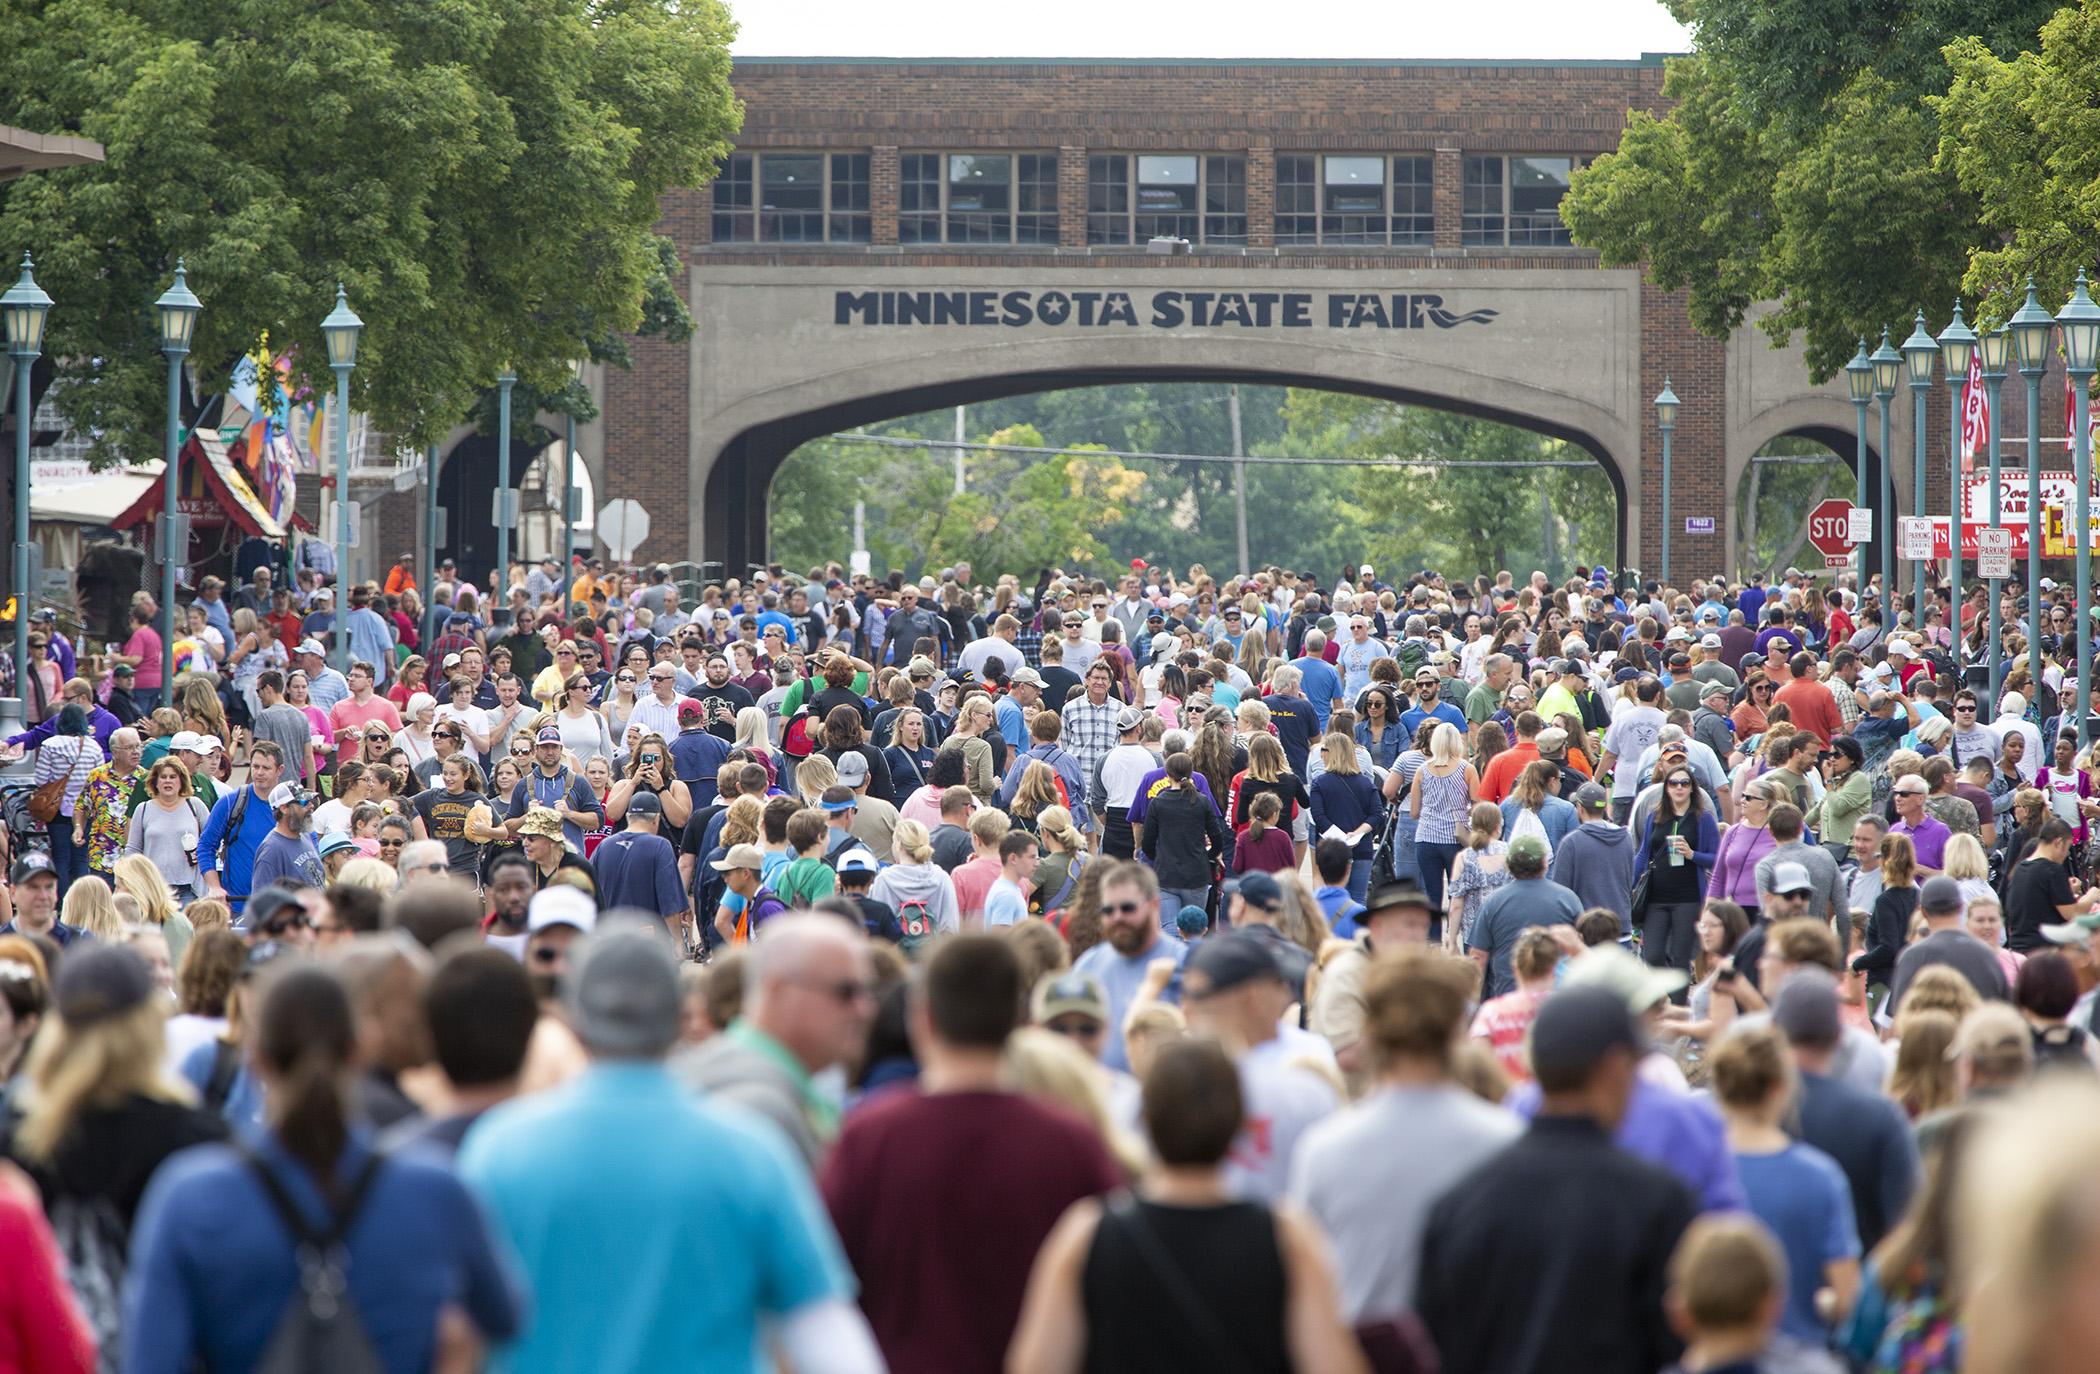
[
  {"x": 1928, "y": 839},
  {"x": 1674, "y": 1131}
]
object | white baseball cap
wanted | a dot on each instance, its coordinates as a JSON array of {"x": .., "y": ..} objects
[
  {"x": 187, "y": 741},
  {"x": 561, "y": 905}
]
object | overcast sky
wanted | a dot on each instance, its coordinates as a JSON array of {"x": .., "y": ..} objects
[{"x": 1510, "y": 29}]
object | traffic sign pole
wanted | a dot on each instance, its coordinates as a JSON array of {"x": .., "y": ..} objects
[{"x": 1830, "y": 531}]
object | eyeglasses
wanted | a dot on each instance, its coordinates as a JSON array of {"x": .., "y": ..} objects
[
  {"x": 1119, "y": 908},
  {"x": 1910, "y": 791}
]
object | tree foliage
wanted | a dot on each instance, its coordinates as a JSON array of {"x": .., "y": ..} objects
[
  {"x": 1801, "y": 165},
  {"x": 2023, "y": 137},
  {"x": 482, "y": 175}
]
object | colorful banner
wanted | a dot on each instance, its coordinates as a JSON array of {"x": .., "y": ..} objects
[{"x": 1975, "y": 420}]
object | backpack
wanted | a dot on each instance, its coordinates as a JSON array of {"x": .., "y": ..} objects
[
  {"x": 91, "y": 1236},
  {"x": 794, "y": 736},
  {"x": 1924, "y": 1336},
  {"x": 2062, "y": 1046},
  {"x": 1410, "y": 654},
  {"x": 915, "y": 919},
  {"x": 320, "y": 1331}
]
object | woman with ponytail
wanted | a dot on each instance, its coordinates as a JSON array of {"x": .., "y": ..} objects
[
  {"x": 215, "y": 1268},
  {"x": 1184, "y": 838}
]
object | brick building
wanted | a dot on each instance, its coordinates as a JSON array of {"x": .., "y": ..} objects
[{"x": 892, "y": 236}]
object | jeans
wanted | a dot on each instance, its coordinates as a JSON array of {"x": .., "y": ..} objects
[
  {"x": 148, "y": 698},
  {"x": 69, "y": 859},
  {"x": 1359, "y": 879},
  {"x": 1434, "y": 859},
  {"x": 1173, "y": 899}
]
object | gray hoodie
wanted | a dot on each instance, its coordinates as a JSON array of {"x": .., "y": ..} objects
[
  {"x": 1595, "y": 862},
  {"x": 902, "y": 883}
]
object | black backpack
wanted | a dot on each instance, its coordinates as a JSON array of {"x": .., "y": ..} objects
[{"x": 320, "y": 1331}]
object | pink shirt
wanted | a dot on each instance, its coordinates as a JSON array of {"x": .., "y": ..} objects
[
  {"x": 973, "y": 883},
  {"x": 144, "y": 645},
  {"x": 347, "y": 714}
]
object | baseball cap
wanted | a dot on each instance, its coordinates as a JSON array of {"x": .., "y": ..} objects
[
  {"x": 858, "y": 860},
  {"x": 186, "y": 741},
  {"x": 209, "y": 745},
  {"x": 310, "y": 645},
  {"x": 1528, "y": 847},
  {"x": 1713, "y": 689},
  {"x": 853, "y": 769},
  {"x": 1638, "y": 984},
  {"x": 289, "y": 794},
  {"x": 264, "y": 903},
  {"x": 1128, "y": 719},
  {"x": 1027, "y": 677},
  {"x": 1900, "y": 648},
  {"x": 2076, "y": 931},
  {"x": 1592, "y": 795},
  {"x": 922, "y": 667},
  {"x": 1941, "y": 894},
  {"x": 1258, "y": 888},
  {"x": 549, "y": 734},
  {"x": 741, "y": 856},
  {"x": 621, "y": 993},
  {"x": 1710, "y": 642},
  {"x": 688, "y": 709},
  {"x": 1227, "y": 961},
  {"x": 1057, "y": 994},
  {"x": 1790, "y": 877},
  {"x": 1578, "y": 1026},
  {"x": 100, "y": 981},
  {"x": 1559, "y": 667},
  {"x": 451, "y": 661},
  {"x": 561, "y": 905},
  {"x": 644, "y": 803},
  {"x": 123, "y": 670},
  {"x": 1806, "y": 1008}
]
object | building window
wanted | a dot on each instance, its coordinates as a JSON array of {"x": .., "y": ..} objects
[
  {"x": 1134, "y": 199},
  {"x": 849, "y": 198},
  {"x": 1297, "y": 199},
  {"x": 733, "y": 220},
  {"x": 988, "y": 198},
  {"x": 1515, "y": 201},
  {"x": 1225, "y": 200},
  {"x": 792, "y": 198},
  {"x": 1355, "y": 200}
]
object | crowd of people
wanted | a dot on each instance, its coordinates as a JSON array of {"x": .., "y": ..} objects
[{"x": 1133, "y": 973}]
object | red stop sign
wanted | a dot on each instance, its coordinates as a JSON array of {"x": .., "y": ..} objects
[{"x": 1826, "y": 527}]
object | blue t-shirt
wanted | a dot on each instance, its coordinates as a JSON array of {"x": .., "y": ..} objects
[
  {"x": 653, "y": 1264},
  {"x": 1801, "y": 1193},
  {"x": 1321, "y": 685},
  {"x": 239, "y": 865},
  {"x": 1121, "y": 976},
  {"x": 1355, "y": 661},
  {"x": 1004, "y": 905},
  {"x": 1411, "y": 719},
  {"x": 640, "y": 870},
  {"x": 294, "y": 857}
]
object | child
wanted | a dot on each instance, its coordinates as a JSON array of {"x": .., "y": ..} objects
[
  {"x": 1264, "y": 845},
  {"x": 807, "y": 879},
  {"x": 1726, "y": 1293},
  {"x": 1333, "y": 858},
  {"x": 856, "y": 874},
  {"x": 1007, "y": 902}
]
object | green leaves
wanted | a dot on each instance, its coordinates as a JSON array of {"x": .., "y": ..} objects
[
  {"x": 1811, "y": 161},
  {"x": 483, "y": 175}
]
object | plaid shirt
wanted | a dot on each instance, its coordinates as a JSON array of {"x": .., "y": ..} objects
[
  {"x": 1090, "y": 731},
  {"x": 1848, "y": 703}
]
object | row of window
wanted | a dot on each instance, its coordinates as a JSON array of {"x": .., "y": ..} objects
[{"x": 1344, "y": 200}]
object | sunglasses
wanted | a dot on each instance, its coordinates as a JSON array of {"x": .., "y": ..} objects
[
  {"x": 1077, "y": 1030},
  {"x": 391, "y": 844},
  {"x": 1119, "y": 909},
  {"x": 625, "y": 679},
  {"x": 546, "y": 954},
  {"x": 1680, "y": 782}
]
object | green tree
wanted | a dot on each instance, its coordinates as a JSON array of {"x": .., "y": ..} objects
[
  {"x": 483, "y": 176},
  {"x": 2023, "y": 137},
  {"x": 1476, "y": 509},
  {"x": 1798, "y": 165}
]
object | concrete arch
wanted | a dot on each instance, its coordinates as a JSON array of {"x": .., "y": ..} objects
[
  {"x": 737, "y": 500},
  {"x": 782, "y": 356}
]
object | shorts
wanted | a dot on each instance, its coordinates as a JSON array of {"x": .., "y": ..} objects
[{"x": 1299, "y": 827}]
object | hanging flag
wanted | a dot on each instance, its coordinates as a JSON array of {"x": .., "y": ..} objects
[
  {"x": 1975, "y": 420},
  {"x": 2092, "y": 419}
]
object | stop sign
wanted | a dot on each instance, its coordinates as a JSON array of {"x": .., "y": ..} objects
[{"x": 1827, "y": 527}]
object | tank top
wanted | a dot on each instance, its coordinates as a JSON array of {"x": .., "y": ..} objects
[
  {"x": 1227, "y": 1257},
  {"x": 1444, "y": 800}
]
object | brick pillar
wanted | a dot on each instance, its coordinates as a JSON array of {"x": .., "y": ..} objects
[
  {"x": 1695, "y": 365},
  {"x": 882, "y": 197},
  {"x": 647, "y": 411},
  {"x": 1071, "y": 197},
  {"x": 1448, "y": 195},
  {"x": 1261, "y": 194}
]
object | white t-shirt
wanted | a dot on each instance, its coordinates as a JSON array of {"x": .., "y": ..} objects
[
  {"x": 1283, "y": 1101},
  {"x": 331, "y": 815}
]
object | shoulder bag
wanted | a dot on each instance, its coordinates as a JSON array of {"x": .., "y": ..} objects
[{"x": 44, "y": 803}]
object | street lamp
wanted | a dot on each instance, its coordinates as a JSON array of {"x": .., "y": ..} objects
[
  {"x": 1995, "y": 350},
  {"x": 1888, "y": 370},
  {"x": 178, "y": 307},
  {"x": 23, "y": 309},
  {"x": 340, "y": 331},
  {"x": 1859, "y": 378},
  {"x": 1920, "y": 352},
  {"x": 505, "y": 380},
  {"x": 2031, "y": 327},
  {"x": 1666, "y": 421},
  {"x": 2079, "y": 326},
  {"x": 568, "y": 502},
  {"x": 1958, "y": 347}
]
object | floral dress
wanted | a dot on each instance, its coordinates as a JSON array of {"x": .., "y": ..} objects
[
  {"x": 105, "y": 796},
  {"x": 1471, "y": 886}
]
